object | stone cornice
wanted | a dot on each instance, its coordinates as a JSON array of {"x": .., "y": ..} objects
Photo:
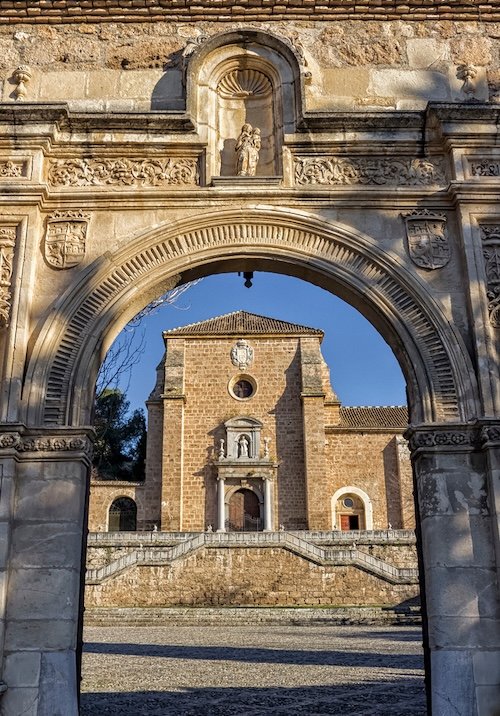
[
  {"x": 18, "y": 439},
  {"x": 448, "y": 437},
  {"x": 65, "y": 11}
]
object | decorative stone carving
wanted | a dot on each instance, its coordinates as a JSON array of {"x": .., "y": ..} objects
[
  {"x": 466, "y": 73},
  {"x": 221, "y": 449},
  {"x": 242, "y": 354},
  {"x": 428, "y": 244},
  {"x": 490, "y": 236},
  {"x": 241, "y": 83},
  {"x": 442, "y": 438},
  {"x": 243, "y": 446},
  {"x": 377, "y": 171},
  {"x": 179, "y": 171},
  {"x": 21, "y": 76},
  {"x": 7, "y": 244},
  {"x": 266, "y": 447},
  {"x": 64, "y": 245},
  {"x": 490, "y": 434},
  {"x": 76, "y": 443},
  {"x": 484, "y": 167},
  {"x": 247, "y": 150},
  {"x": 10, "y": 169}
]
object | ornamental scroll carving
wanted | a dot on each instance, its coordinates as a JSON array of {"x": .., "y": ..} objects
[
  {"x": 428, "y": 244},
  {"x": 377, "y": 171},
  {"x": 7, "y": 244},
  {"x": 484, "y": 168},
  {"x": 178, "y": 171},
  {"x": 74, "y": 443},
  {"x": 65, "y": 237},
  {"x": 11, "y": 169},
  {"x": 490, "y": 236},
  {"x": 443, "y": 438}
]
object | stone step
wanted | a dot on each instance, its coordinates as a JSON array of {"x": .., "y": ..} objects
[{"x": 251, "y": 616}]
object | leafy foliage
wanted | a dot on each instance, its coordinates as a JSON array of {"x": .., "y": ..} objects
[{"x": 120, "y": 446}]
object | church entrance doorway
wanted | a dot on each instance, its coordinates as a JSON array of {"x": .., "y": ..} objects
[{"x": 244, "y": 512}]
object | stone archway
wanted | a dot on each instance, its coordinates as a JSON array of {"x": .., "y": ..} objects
[{"x": 49, "y": 452}]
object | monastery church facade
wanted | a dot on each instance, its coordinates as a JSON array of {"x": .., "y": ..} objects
[{"x": 246, "y": 434}]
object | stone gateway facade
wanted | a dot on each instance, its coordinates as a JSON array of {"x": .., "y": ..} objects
[
  {"x": 247, "y": 439},
  {"x": 374, "y": 174}
]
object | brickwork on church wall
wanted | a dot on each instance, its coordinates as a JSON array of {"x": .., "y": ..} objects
[
  {"x": 276, "y": 403},
  {"x": 249, "y": 577},
  {"x": 102, "y": 495}
]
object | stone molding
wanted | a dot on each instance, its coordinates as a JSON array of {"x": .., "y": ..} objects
[
  {"x": 258, "y": 231},
  {"x": 124, "y": 171},
  {"x": 49, "y": 11},
  {"x": 370, "y": 171}
]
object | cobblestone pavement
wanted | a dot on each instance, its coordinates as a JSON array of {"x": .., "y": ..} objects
[{"x": 252, "y": 671}]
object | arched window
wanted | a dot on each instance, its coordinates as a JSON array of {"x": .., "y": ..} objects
[{"x": 122, "y": 515}]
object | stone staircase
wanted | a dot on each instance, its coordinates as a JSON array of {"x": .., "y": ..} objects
[{"x": 298, "y": 545}]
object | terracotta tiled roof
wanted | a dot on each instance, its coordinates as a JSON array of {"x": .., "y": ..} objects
[
  {"x": 386, "y": 416},
  {"x": 241, "y": 323}
]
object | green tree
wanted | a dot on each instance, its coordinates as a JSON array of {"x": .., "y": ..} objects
[{"x": 120, "y": 446}]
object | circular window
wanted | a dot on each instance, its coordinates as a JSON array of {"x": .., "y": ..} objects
[
  {"x": 242, "y": 387},
  {"x": 348, "y": 502}
]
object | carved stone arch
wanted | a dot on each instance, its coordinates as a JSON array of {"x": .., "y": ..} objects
[
  {"x": 87, "y": 317},
  {"x": 244, "y": 76},
  {"x": 365, "y": 499}
]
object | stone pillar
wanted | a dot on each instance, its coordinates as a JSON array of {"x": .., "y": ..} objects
[
  {"x": 268, "y": 505},
  {"x": 460, "y": 581},
  {"x": 43, "y": 603},
  {"x": 221, "y": 505}
]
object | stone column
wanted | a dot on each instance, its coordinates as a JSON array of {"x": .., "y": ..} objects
[
  {"x": 43, "y": 603},
  {"x": 221, "y": 511},
  {"x": 268, "y": 505},
  {"x": 460, "y": 581}
]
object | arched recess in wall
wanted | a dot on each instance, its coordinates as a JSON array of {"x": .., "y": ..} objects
[
  {"x": 75, "y": 334},
  {"x": 365, "y": 500},
  {"x": 122, "y": 515},
  {"x": 244, "y": 76}
]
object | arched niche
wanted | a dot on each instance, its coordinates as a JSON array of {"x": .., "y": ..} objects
[
  {"x": 240, "y": 77},
  {"x": 362, "y": 507}
]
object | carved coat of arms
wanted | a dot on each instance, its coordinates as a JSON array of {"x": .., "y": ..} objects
[
  {"x": 65, "y": 238},
  {"x": 242, "y": 354},
  {"x": 428, "y": 243}
]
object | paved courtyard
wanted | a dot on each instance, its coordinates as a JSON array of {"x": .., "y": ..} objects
[{"x": 253, "y": 670}]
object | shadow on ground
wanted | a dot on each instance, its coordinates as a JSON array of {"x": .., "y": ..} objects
[
  {"x": 377, "y": 698},
  {"x": 261, "y": 656}
]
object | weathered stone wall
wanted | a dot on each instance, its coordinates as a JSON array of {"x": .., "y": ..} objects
[
  {"x": 248, "y": 576},
  {"x": 350, "y": 64}
]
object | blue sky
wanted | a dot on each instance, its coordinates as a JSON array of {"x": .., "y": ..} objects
[{"x": 363, "y": 368}]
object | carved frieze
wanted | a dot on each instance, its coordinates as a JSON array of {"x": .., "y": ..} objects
[
  {"x": 484, "y": 167},
  {"x": 442, "y": 438},
  {"x": 177, "y": 171},
  {"x": 7, "y": 244},
  {"x": 374, "y": 171},
  {"x": 65, "y": 237},
  {"x": 428, "y": 243},
  {"x": 490, "y": 235},
  {"x": 72, "y": 443}
]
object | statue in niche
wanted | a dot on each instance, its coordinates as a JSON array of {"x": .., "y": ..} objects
[
  {"x": 243, "y": 445},
  {"x": 247, "y": 149}
]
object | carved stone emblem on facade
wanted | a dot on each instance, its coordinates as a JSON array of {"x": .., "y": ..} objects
[
  {"x": 242, "y": 354},
  {"x": 428, "y": 243},
  {"x": 22, "y": 76},
  {"x": 490, "y": 236},
  {"x": 64, "y": 245},
  {"x": 485, "y": 167},
  {"x": 466, "y": 73},
  {"x": 7, "y": 243}
]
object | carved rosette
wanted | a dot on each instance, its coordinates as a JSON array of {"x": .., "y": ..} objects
[
  {"x": 174, "y": 171},
  {"x": 7, "y": 245},
  {"x": 242, "y": 354},
  {"x": 65, "y": 238},
  {"x": 443, "y": 438},
  {"x": 70, "y": 443},
  {"x": 370, "y": 171},
  {"x": 490, "y": 236},
  {"x": 427, "y": 238}
]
